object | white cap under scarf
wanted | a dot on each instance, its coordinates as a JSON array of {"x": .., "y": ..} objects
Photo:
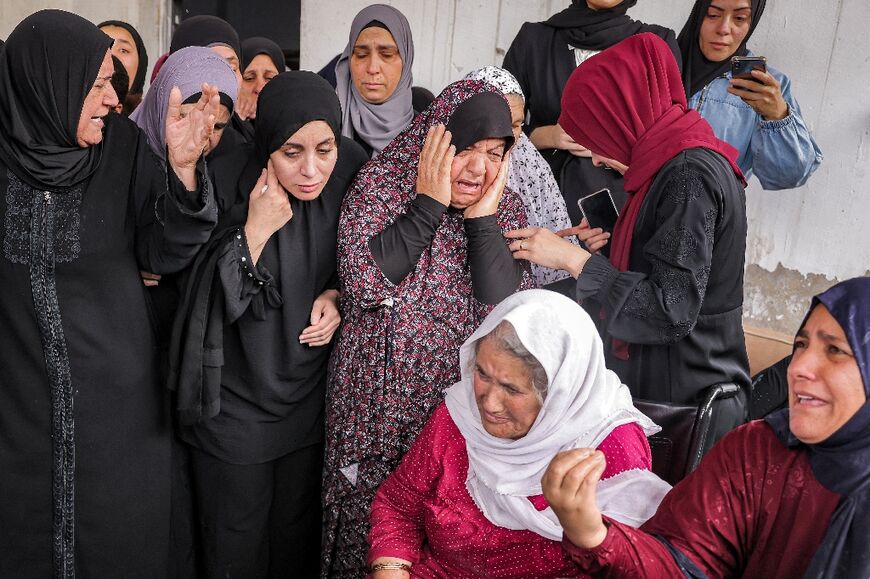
[{"x": 585, "y": 402}]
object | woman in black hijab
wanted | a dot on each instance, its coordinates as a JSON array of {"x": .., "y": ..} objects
[
  {"x": 84, "y": 439},
  {"x": 542, "y": 57},
  {"x": 130, "y": 50},
  {"x": 251, "y": 342},
  {"x": 759, "y": 117},
  {"x": 262, "y": 60}
]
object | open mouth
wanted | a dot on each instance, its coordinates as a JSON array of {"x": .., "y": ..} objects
[
  {"x": 98, "y": 121},
  {"x": 464, "y": 186},
  {"x": 807, "y": 401}
]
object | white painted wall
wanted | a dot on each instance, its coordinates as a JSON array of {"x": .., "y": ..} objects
[
  {"x": 451, "y": 37},
  {"x": 823, "y": 45},
  {"x": 149, "y": 17}
]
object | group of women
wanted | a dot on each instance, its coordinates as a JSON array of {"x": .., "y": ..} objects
[{"x": 363, "y": 379}]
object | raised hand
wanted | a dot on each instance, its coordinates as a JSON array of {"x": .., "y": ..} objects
[
  {"x": 324, "y": 320},
  {"x": 488, "y": 202},
  {"x": 187, "y": 135},
  {"x": 764, "y": 95},
  {"x": 436, "y": 160},
  {"x": 547, "y": 249},
  {"x": 593, "y": 238},
  {"x": 269, "y": 210},
  {"x": 246, "y": 105},
  {"x": 569, "y": 485}
]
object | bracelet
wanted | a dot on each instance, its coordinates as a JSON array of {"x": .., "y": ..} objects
[{"x": 390, "y": 567}]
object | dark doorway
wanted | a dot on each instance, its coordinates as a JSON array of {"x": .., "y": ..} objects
[{"x": 275, "y": 19}]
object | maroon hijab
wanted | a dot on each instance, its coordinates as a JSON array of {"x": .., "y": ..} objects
[{"x": 628, "y": 103}]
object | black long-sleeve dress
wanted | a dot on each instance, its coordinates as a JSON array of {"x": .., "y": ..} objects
[
  {"x": 83, "y": 416},
  {"x": 679, "y": 307},
  {"x": 542, "y": 60}
]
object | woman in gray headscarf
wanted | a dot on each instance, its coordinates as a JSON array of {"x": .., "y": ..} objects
[{"x": 373, "y": 77}]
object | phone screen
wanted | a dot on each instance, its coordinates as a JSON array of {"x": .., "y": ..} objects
[{"x": 599, "y": 210}]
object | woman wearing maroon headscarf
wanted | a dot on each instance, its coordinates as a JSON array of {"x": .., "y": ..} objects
[{"x": 672, "y": 294}]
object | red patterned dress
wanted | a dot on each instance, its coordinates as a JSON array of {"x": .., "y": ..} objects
[
  {"x": 399, "y": 344},
  {"x": 423, "y": 512}
]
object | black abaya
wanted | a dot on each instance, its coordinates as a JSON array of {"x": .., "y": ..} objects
[
  {"x": 541, "y": 58},
  {"x": 679, "y": 307},
  {"x": 105, "y": 231},
  {"x": 84, "y": 437}
]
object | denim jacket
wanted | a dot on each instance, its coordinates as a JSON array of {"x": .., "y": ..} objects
[{"x": 782, "y": 154}]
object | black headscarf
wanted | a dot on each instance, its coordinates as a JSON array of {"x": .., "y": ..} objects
[
  {"x": 256, "y": 45},
  {"x": 205, "y": 30},
  {"x": 300, "y": 259},
  {"x": 697, "y": 70},
  {"x": 47, "y": 68},
  {"x": 596, "y": 29},
  {"x": 483, "y": 116},
  {"x": 313, "y": 100},
  {"x": 138, "y": 85},
  {"x": 120, "y": 79},
  {"x": 842, "y": 461}
]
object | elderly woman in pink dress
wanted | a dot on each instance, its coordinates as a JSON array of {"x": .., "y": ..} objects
[{"x": 466, "y": 499}]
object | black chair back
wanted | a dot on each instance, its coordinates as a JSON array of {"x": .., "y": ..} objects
[{"x": 689, "y": 431}]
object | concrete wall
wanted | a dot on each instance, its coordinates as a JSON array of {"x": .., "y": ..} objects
[
  {"x": 150, "y": 17},
  {"x": 800, "y": 241}
]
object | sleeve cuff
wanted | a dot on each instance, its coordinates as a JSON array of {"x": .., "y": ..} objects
[
  {"x": 191, "y": 202},
  {"x": 597, "y": 277},
  {"x": 476, "y": 226},
  {"x": 589, "y": 557},
  {"x": 254, "y": 274},
  {"x": 778, "y": 124},
  {"x": 434, "y": 208}
]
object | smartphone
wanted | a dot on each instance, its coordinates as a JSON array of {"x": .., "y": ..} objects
[
  {"x": 742, "y": 66},
  {"x": 599, "y": 210}
]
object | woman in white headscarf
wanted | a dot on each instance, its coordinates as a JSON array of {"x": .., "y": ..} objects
[
  {"x": 466, "y": 499},
  {"x": 373, "y": 77},
  {"x": 530, "y": 175}
]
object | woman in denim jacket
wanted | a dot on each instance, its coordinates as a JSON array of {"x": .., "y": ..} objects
[{"x": 759, "y": 117}]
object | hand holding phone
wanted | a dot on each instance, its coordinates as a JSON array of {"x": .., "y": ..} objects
[
  {"x": 759, "y": 89},
  {"x": 742, "y": 66},
  {"x": 599, "y": 210}
]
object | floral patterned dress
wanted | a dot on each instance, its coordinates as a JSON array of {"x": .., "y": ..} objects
[{"x": 399, "y": 345}]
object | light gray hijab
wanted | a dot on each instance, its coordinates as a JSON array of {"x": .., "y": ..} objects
[
  {"x": 187, "y": 69},
  {"x": 378, "y": 124}
]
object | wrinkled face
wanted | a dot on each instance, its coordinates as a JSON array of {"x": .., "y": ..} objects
[
  {"x": 260, "y": 71},
  {"x": 602, "y": 4},
  {"x": 231, "y": 57},
  {"x": 220, "y": 123},
  {"x": 724, "y": 27},
  {"x": 474, "y": 170},
  {"x": 124, "y": 48},
  {"x": 375, "y": 65},
  {"x": 601, "y": 161},
  {"x": 504, "y": 392},
  {"x": 824, "y": 383},
  {"x": 518, "y": 113},
  {"x": 99, "y": 102},
  {"x": 306, "y": 160}
]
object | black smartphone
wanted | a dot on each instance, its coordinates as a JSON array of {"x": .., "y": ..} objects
[
  {"x": 742, "y": 66},
  {"x": 599, "y": 210}
]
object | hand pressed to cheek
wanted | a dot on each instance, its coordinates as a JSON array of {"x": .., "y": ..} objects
[{"x": 474, "y": 170}]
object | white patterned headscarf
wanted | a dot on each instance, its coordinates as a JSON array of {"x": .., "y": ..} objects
[
  {"x": 530, "y": 176},
  {"x": 585, "y": 402}
]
